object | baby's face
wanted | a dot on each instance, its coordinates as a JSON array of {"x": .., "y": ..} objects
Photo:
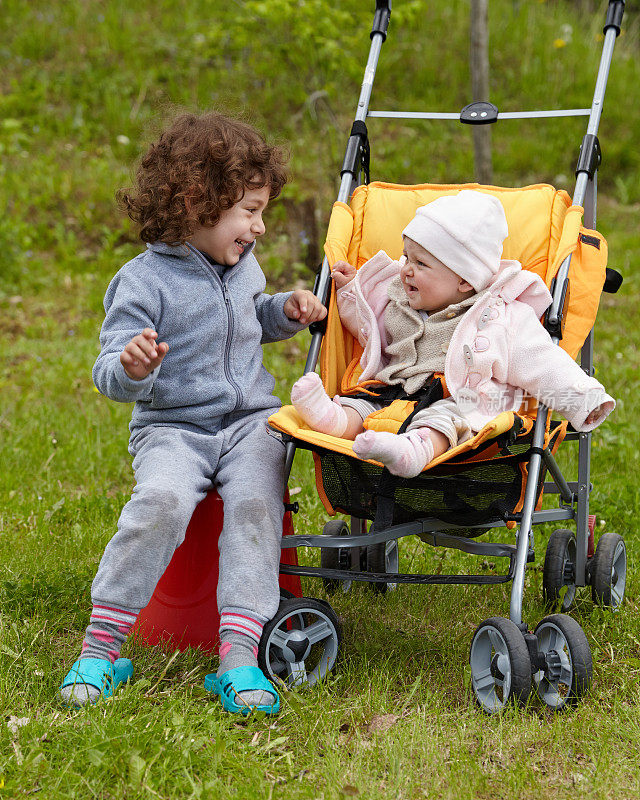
[{"x": 428, "y": 283}]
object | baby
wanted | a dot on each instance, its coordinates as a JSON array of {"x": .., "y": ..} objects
[{"x": 449, "y": 306}]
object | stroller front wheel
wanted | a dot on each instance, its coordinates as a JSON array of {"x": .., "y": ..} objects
[
  {"x": 568, "y": 666},
  {"x": 500, "y": 665},
  {"x": 383, "y": 557},
  {"x": 300, "y": 644}
]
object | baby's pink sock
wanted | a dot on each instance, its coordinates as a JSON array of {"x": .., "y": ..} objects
[
  {"x": 316, "y": 408},
  {"x": 404, "y": 454}
]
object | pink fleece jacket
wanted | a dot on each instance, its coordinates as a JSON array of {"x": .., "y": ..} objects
[{"x": 498, "y": 354}]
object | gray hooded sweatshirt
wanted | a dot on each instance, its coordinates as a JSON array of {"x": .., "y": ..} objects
[{"x": 213, "y": 372}]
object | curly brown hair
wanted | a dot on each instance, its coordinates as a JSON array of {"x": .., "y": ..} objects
[{"x": 197, "y": 169}]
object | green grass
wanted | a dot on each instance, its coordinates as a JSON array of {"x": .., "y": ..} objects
[{"x": 397, "y": 719}]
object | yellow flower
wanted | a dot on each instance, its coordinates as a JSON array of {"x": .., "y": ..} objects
[{"x": 558, "y": 43}]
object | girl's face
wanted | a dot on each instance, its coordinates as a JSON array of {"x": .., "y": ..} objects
[
  {"x": 427, "y": 282},
  {"x": 237, "y": 228}
]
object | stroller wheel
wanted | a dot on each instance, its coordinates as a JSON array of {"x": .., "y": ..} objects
[
  {"x": 559, "y": 576},
  {"x": 500, "y": 665},
  {"x": 608, "y": 570},
  {"x": 300, "y": 644},
  {"x": 335, "y": 557},
  {"x": 383, "y": 557},
  {"x": 567, "y": 656}
]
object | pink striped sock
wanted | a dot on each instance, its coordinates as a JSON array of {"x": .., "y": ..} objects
[
  {"x": 108, "y": 627},
  {"x": 240, "y": 633}
]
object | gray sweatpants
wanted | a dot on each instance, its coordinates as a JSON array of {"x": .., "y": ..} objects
[
  {"x": 174, "y": 468},
  {"x": 443, "y": 415}
]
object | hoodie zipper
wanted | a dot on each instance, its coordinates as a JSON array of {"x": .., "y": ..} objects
[
  {"x": 230, "y": 326},
  {"x": 227, "y": 348}
]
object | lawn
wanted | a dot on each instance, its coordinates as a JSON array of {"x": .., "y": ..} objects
[{"x": 83, "y": 87}]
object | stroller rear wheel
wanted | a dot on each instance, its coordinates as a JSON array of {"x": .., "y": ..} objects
[
  {"x": 500, "y": 665},
  {"x": 335, "y": 557},
  {"x": 383, "y": 557},
  {"x": 560, "y": 570},
  {"x": 608, "y": 569},
  {"x": 567, "y": 656},
  {"x": 300, "y": 644}
]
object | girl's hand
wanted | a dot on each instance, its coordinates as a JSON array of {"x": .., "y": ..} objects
[
  {"x": 342, "y": 273},
  {"x": 142, "y": 355},
  {"x": 304, "y": 307}
]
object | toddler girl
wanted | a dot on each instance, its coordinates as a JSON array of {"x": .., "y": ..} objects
[{"x": 185, "y": 322}]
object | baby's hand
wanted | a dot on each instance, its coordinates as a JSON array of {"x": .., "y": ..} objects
[
  {"x": 595, "y": 415},
  {"x": 304, "y": 307},
  {"x": 342, "y": 273},
  {"x": 142, "y": 355}
]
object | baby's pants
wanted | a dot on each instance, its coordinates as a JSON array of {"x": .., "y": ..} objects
[
  {"x": 174, "y": 468},
  {"x": 443, "y": 416}
]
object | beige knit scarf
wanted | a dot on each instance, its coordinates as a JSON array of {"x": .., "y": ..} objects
[{"x": 417, "y": 342}]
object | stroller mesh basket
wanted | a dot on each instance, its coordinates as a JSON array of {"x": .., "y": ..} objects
[{"x": 463, "y": 493}]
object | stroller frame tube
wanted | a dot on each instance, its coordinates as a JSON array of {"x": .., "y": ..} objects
[
  {"x": 455, "y": 115},
  {"x": 584, "y": 190},
  {"x": 583, "y": 178},
  {"x": 563, "y": 488},
  {"x": 349, "y": 180}
]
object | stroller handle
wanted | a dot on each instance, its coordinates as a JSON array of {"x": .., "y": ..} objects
[
  {"x": 381, "y": 18},
  {"x": 589, "y": 157},
  {"x": 615, "y": 12}
]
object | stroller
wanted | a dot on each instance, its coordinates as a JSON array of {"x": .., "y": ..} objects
[{"x": 496, "y": 479}]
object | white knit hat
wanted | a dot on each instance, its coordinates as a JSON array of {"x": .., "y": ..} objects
[{"x": 465, "y": 231}]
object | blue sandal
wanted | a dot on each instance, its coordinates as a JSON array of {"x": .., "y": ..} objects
[
  {"x": 242, "y": 679},
  {"x": 101, "y": 673}
]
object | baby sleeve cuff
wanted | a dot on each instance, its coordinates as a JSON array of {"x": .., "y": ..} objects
[{"x": 600, "y": 399}]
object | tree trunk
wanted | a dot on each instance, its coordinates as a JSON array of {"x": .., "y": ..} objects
[{"x": 479, "y": 67}]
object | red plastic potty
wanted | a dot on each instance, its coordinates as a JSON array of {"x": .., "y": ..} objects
[{"x": 183, "y": 610}]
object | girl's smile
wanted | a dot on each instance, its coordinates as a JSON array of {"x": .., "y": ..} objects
[{"x": 236, "y": 230}]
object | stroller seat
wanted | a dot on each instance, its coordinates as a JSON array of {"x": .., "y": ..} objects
[{"x": 483, "y": 478}]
